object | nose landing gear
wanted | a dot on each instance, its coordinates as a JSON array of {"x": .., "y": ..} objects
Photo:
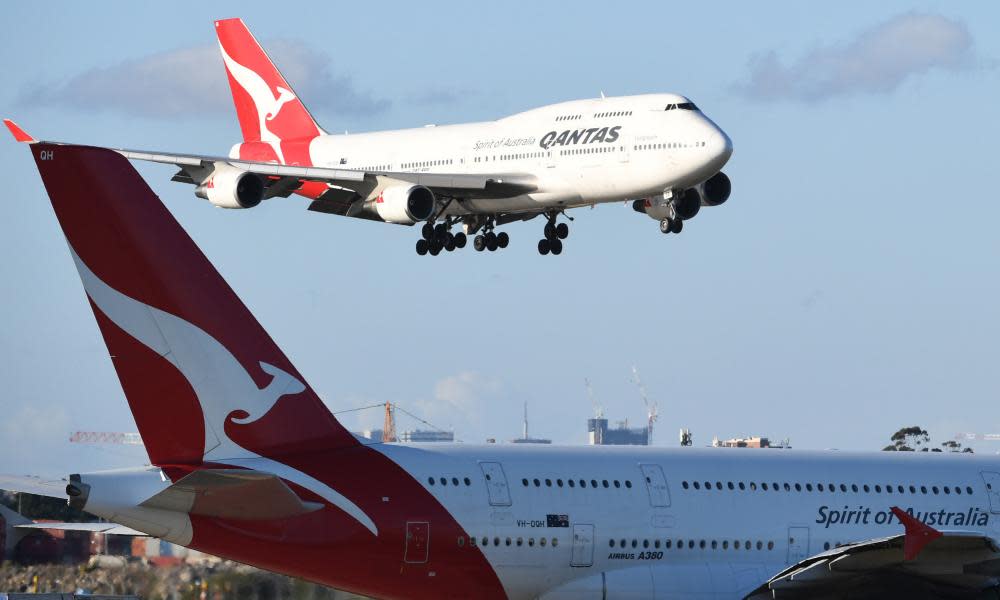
[{"x": 674, "y": 225}]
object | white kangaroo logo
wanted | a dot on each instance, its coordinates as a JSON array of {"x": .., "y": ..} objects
[
  {"x": 263, "y": 98},
  {"x": 219, "y": 381}
]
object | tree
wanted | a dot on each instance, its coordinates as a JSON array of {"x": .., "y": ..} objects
[
  {"x": 908, "y": 439},
  {"x": 914, "y": 438}
]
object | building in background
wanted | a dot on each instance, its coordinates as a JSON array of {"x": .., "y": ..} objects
[
  {"x": 427, "y": 435},
  {"x": 749, "y": 442},
  {"x": 600, "y": 434}
]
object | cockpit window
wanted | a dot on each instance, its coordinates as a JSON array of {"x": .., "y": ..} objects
[{"x": 682, "y": 106}]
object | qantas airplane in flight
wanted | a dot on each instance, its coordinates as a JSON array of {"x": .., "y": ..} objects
[
  {"x": 657, "y": 151},
  {"x": 247, "y": 463}
]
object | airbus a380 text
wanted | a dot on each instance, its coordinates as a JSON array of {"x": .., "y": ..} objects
[
  {"x": 657, "y": 151},
  {"x": 247, "y": 463}
]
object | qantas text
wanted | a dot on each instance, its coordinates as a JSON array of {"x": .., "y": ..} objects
[{"x": 580, "y": 136}]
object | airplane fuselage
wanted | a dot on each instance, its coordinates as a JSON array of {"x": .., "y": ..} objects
[{"x": 581, "y": 152}]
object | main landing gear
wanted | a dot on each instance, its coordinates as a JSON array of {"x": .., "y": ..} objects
[
  {"x": 554, "y": 234},
  {"x": 436, "y": 238},
  {"x": 488, "y": 240},
  {"x": 674, "y": 225}
]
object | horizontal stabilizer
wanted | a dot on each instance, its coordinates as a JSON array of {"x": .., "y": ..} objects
[
  {"x": 52, "y": 488},
  {"x": 232, "y": 494},
  {"x": 109, "y": 528}
]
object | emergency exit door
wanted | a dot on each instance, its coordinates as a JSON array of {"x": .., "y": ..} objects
[
  {"x": 583, "y": 546},
  {"x": 418, "y": 542},
  {"x": 496, "y": 483}
]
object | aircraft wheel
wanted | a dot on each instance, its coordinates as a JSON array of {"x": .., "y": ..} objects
[
  {"x": 422, "y": 247},
  {"x": 556, "y": 247},
  {"x": 427, "y": 231},
  {"x": 677, "y": 226},
  {"x": 479, "y": 243},
  {"x": 666, "y": 226},
  {"x": 450, "y": 245},
  {"x": 460, "y": 240},
  {"x": 435, "y": 248},
  {"x": 491, "y": 241},
  {"x": 543, "y": 247},
  {"x": 562, "y": 230},
  {"x": 503, "y": 239},
  {"x": 549, "y": 231}
]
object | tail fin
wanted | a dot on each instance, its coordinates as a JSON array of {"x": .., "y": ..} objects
[
  {"x": 267, "y": 108},
  {"x": 204, "y": 380}
]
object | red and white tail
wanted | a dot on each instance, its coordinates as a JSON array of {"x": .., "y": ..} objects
[
  {"x": 276, "y": 125},
  {"x": 204, "y": 380}
]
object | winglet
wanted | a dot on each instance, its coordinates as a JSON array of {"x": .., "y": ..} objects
[
  {"x": 918, "y": 533},
  {"x": 19, "y": 134}
]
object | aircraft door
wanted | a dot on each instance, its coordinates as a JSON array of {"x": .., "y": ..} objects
[
  {"x": 798, "y": 544},
  {"x": 656, "y": 485},
  {"x": 583, "y": 546},
  {"x": 496, "y": 483},
  {"x": 624, "y": 148},
  {"x": 992, "y": 481},
  {"x": 418, "y": 542}
]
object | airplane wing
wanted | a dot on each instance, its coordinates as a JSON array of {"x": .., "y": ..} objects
[
  {"x": 945, "y": 563},
  {"x": 232, "y": 494},
  {"x": 345, "y": 186}
]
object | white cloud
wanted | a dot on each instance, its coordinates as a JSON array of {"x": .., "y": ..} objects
[
  {"x": 877, "y": 61},
  {"x": 461, "y": 402},
  {"x": 192, "y": 81}
]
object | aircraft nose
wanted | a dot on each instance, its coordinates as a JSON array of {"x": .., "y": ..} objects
[{"x": 722, "y": 146}]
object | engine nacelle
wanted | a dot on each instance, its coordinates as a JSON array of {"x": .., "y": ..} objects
[
  {"x": 404, "y": 204},
  {"x": 715, "y": 190},
  {"x": 229, "y": 187},
  {"x": 684, "y": 205}
]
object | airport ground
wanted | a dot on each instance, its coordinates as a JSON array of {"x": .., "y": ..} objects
[{"x": 220, "y": 581}]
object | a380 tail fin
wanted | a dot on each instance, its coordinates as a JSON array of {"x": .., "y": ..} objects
[
  {"x": 271, "y": 115},
  {"x": 204, "y": 380}
]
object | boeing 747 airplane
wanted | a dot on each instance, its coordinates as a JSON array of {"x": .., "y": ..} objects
[
  {"x": 247, "y": 463},
  {"x": 658, "y": 151}
]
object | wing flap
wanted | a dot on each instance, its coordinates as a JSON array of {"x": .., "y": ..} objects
[{"x": 232, "y": 494}]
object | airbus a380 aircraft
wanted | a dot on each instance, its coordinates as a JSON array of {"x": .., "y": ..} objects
[
  {"x": 657, "y": 151},
  {"x": 248, "y": 463}
]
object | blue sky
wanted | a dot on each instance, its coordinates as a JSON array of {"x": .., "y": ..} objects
[{"x": 848, "y": 287}]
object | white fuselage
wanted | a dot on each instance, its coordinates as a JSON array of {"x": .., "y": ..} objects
[
  {"x": 581, "y": 152},
  {"x": 708, "y": 523}
]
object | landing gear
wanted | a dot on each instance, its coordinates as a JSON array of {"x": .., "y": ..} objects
[
  {"x": 438, "y": 237},
  {"x": 674, "y": 225},
  {"x": 554, "y": 234},
  {"x": 490, "y": 240}
]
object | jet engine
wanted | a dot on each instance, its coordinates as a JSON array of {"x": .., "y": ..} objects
[
  {"x": 715, "y": 190},
  {"x": 404, "y": 204},
  {"x": 684, "y": 205},
  {"x": 229, "y": 187}
]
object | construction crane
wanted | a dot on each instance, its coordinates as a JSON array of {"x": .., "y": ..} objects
[
  {"x": 106, "y": 437},
  {"x": 598, "y": 410},
  {"x": 652, "y": 409},
  {"x": 389, "y": 425}
]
